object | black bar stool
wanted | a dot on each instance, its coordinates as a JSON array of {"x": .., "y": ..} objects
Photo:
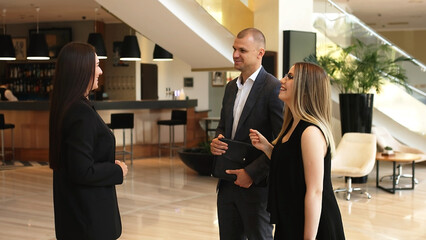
[
  {"x": 178, "y": 118},
  {"x": 4, "y": 126},
  {"x": 123, "y": 121}
]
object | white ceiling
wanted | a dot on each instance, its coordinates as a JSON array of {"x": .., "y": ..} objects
[
  {"x": 379, "y": 14},
  {"x": 388, "y": 14},
  {"x": 24, "y": 11}
]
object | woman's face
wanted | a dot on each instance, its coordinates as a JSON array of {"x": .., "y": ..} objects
[
  {"x": 98, "y": 72},
  {"x": 286, "y": 90}
]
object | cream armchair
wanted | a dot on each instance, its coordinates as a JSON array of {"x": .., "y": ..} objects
[
  {"x": 384, "y": 139},
  {"x": 354, "y": 157}
]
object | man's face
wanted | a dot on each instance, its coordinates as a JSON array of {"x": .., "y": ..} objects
[{"x": 246, "y": 53}]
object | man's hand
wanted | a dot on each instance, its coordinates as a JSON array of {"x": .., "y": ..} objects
[
  {"x": 123, "y": 167},
  {"x": 243, "y": 179},
  {"x": 218, "y": 147}
]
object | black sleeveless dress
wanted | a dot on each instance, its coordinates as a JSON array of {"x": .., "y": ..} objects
[{"x": 287, "y": 189}]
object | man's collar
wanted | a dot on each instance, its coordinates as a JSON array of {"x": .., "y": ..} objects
[{"x": 253, "y": 76}]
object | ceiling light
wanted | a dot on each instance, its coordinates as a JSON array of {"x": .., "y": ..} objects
[
  {"x": 96, "y": 40},
  {"x": 130, "y": 49},
  {"x": 38, "y": 49},
  {"x": 7, "y": 52},
  {"x": 161, "y": 54}
]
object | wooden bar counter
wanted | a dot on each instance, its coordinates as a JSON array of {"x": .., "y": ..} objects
[{"x": 31, "y": 119}]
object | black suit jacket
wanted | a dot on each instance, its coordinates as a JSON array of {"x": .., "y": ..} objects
[
  {"x": 85, "y": 201},
  {"x": 262, "y": 111}
]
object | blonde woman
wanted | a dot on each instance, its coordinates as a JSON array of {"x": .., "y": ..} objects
[{"x": 301, "y": 198}]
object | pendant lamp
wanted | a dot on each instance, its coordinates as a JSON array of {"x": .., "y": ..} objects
[
  {"x": 96, "y": 40},
  {"x": 161, "y": 54},
  {"x": 7, "y": 51},
  {"x": 130, "y": 49},
  {"x": 37, "y": 49}
]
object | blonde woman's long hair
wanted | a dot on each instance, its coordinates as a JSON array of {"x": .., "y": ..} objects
[{"x": 311, "y": 99}]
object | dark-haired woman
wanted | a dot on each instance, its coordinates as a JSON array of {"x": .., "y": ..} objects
[{"x": 81, "y": 152}]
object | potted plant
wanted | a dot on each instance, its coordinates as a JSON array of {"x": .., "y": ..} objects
[
  {"x": 388, "y": 151},
  {"x": 358, "y": 71},
  {"x": 199, "y": 159}
]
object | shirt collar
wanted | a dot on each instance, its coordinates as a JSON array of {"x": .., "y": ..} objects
[{"x": 252, "y": 77}]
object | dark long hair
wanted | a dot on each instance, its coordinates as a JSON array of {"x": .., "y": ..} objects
[{"x": 75, "y": 70}]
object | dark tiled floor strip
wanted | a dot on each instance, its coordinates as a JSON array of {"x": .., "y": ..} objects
[{"x": 10, "y": 164}]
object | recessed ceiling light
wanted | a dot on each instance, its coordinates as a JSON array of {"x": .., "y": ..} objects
[{"x": 398, "y": 23}]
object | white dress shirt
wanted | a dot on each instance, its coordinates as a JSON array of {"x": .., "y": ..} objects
[{"x": 241, "y": 98}]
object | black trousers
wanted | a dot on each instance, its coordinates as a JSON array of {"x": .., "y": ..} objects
[{"x": 242, "y": 212}]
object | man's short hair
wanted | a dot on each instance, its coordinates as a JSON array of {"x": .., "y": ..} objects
[{"x": 256, "y": 33}]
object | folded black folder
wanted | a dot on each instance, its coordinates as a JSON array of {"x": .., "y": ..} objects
[{"x": 238, "y": 156}]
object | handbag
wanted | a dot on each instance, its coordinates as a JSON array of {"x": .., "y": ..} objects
[{"x": 238, "y": 156}]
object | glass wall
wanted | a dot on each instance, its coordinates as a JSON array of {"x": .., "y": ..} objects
[{"x": 338, "y": 29}]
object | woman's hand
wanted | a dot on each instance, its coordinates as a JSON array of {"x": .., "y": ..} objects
[
  {"x": 123, "y": 167},
  {"x": 260, "y": 142}
]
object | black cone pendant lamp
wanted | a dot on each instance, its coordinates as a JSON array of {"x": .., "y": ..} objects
[
  {"x": 161, "y": 54},
  {"x": 96, "y": 40},
  {"x": 37, "y": 49},
  {"x": 130, "y": 49},
  {"x": 7, "y": 52}
]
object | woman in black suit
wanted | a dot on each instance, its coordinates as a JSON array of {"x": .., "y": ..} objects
[{"x": 82, "y": 152}]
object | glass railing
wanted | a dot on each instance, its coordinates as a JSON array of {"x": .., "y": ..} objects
[{"x": 338, "y": 29}]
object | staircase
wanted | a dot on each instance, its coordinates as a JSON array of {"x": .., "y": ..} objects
[
  {"x": 402, "y": 113},
  {"x": 183, "y": 27}
]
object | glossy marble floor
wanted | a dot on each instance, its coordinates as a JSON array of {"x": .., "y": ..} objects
[{"x": 163, "y": 199}]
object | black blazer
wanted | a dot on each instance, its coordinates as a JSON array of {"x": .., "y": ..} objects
[
  {"x": 262, "y": 111},
  {"x": 85, "y": 200}
]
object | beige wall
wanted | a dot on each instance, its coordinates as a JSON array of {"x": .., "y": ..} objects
[
  {"x": 413, "y": 42},
  {"x": 120, "y": 81},
  {"x": 265, "y": 19}
]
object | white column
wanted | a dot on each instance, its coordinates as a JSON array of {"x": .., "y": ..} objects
[
  {"x": 273, "y": 17},
  {"x": 293, "y": 15}
]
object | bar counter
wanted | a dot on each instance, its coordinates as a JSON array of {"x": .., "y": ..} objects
[
  {"x": 31, "y": 119},
  {"x": 104, "y": 105}
]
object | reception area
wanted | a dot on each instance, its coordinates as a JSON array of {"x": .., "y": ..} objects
[{"x": 164, "y": 197}]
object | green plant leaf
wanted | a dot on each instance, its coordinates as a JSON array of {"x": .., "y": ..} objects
[{"x": 361, "y": 68}]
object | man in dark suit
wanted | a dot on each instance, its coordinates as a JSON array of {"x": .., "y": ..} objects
[{"x": 250, "y": 101}]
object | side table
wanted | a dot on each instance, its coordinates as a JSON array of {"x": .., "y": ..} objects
[{"x": 400, "y": 158}]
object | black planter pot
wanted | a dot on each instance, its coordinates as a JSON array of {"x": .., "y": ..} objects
[
  {"x": 356, "y": 115},
  {"x": 198, "y": 160},
  {"x": 356, "y": 112}
]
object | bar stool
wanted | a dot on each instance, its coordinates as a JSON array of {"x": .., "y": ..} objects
[
  {"x": 123, "y": 121},
  {"x": 178, "y": 118},
  {"x": 4, "y": 126}
]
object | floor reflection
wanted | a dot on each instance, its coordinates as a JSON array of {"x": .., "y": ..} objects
[{"x": 163, "y": 199}]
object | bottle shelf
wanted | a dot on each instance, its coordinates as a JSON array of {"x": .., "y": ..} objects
[{"x": 30, "y": 80}]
